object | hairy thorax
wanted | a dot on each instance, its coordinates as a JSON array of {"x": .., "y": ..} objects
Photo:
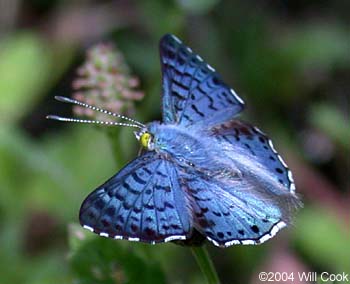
[{"x": 191, "y": 150}]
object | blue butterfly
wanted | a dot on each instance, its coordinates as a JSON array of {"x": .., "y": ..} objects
[{"x": 202, "y": 172}]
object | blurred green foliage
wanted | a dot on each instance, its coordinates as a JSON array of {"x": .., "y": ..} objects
[
  {"x": 21, "y": 84},
  {"x": 288, "y": 60},
  {"x": 96, "y": 260}
]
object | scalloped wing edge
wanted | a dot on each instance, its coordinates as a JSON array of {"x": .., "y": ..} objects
[
  {"x": 274, "y": 230},
  {"x": 292, "y": 187},
  {"x": 120, "y": 237},
  {"x": 238, "y": 98}
]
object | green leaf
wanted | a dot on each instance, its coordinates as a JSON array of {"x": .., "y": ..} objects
[
  {"x": 24, "y": 69},
  {"x": 98, "y": 260},
  {"x": 331, "y": 121},
  {"x": 161, "y": 17},
  {"x": 197, "y": 6},
  {"x": 318, "y": 46},
  {"x": 322, "y": 237}
]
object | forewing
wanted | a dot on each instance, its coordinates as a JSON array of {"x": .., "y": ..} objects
[
  {"x": 193, "y": 91},
  {"x": 236, "y": 212},
  {"x": 257, "y": 146},
  {"x": 143, "y": 202}
]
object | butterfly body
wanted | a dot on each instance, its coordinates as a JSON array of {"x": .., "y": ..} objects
[
  {"x": 202, "y": 170},
  {"x": 184, "y": 146}
]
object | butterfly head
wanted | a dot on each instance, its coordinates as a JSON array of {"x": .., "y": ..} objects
[
  {"x": 145, "y": 138},
  {"x": 151, "y": 136}
]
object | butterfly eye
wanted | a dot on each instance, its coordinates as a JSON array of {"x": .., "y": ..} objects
[{"x": 145, "y": 140}]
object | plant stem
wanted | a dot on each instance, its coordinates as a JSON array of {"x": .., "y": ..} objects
[{"x": 205, "y": 263}]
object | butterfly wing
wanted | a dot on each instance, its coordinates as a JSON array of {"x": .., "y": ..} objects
[
  {"x": 193, "y": 91},
  {"x": 237, "y": 212},
  {"x": 257, "y": 147},
  {"x": 143, "y": 202},
  {"x": 251, "y": 198}
]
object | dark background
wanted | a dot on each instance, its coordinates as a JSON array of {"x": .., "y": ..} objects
[{"x": 290, "y": 62}]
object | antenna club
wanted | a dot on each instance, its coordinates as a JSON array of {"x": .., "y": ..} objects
[
  {"x": 55, "y": 117},
  {"x": 63, "y": 99}
]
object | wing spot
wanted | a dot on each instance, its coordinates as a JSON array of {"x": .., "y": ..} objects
[
  {"x": 161, "y": 174},
  {"x": 161, "y": 187},
  {"x": 105, "y": 223},
  {"x": 279, "y": 170},
  {"x": 175, "y": 226},
  {"x": 245, "y": 131},
  {"x": 220, "y": 235},
  {"x": 241, "y": 232},
  {"x": 120, "y": 218},
  {"x": 171, "y": 55},
  {"x": 91, "y": 215},
  {"x": 205, "y": 209},
  {"x": 197, "y": 111},
  {"x": 149, "y": 232},
  {"x": 181, "y": 60},
  {"x": 217, "y": 213},
  {"x": 137, "y": 209},
  {"x": 226, "y": 138},
  {"x": 247, "y": 145},
  {"x": 169, "y": 205},
  {"x": 134, "y": 218},
  {"x": 126, "y": 205},
  {"x": 110, "y": 211},
  {"x": 134, "y": 227},
  {"x": 204, "y": 223},
  {"x": 137, "y": 178},
  {"x": 99, "y": 204},
  {"x": 255, "y": 229},
  {"x": 149, "y": 206}
]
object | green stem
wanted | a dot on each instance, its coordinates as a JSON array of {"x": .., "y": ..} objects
[{"x": 205, "y": 263}]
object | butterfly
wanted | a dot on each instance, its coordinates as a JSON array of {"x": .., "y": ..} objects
[{"x": 202, "y": 171}]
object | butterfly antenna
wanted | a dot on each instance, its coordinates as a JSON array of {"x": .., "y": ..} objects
[
  {"x": 94, "y": 108},
  {"x": 68, "y": 119}
]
